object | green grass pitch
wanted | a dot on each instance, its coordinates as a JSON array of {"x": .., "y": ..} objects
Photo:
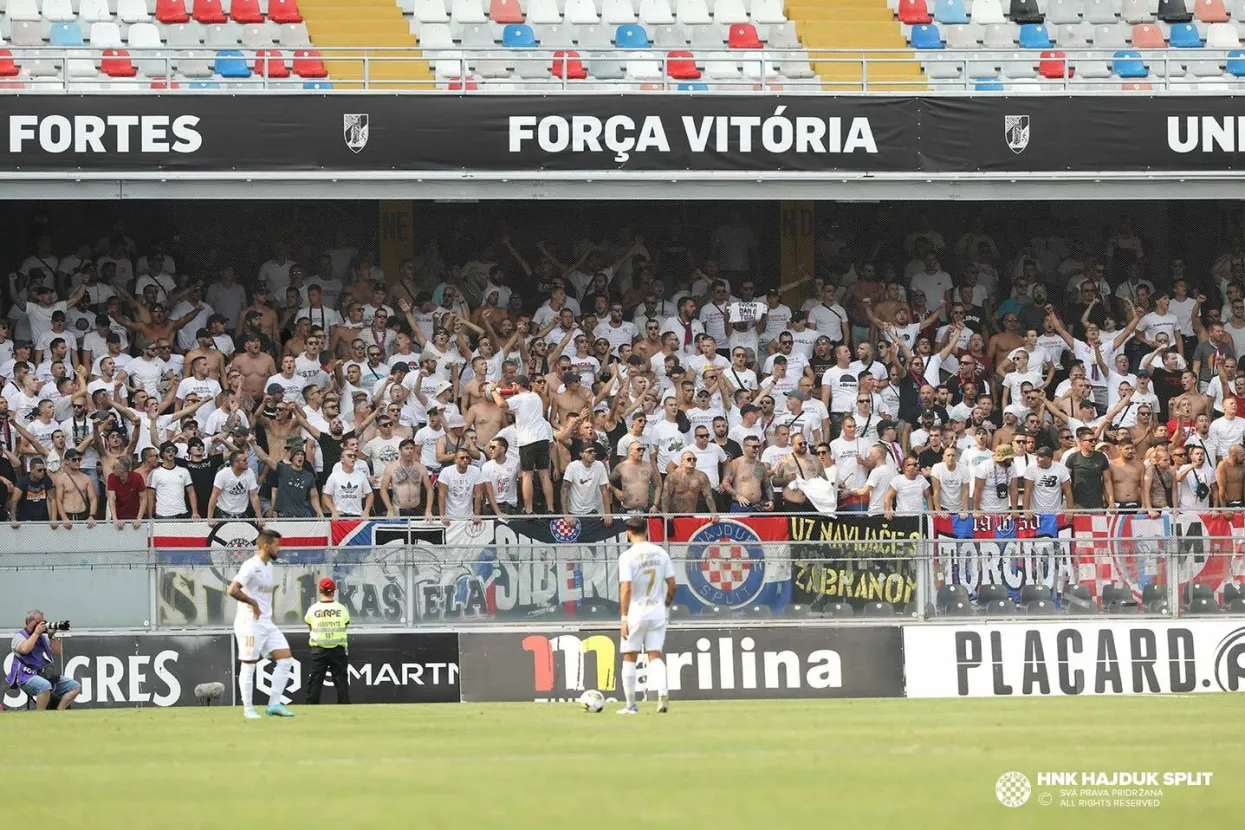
[{"x": 716, "y": 765}]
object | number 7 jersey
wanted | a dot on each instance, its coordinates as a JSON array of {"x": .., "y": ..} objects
[{"x": 647, "y": 567}]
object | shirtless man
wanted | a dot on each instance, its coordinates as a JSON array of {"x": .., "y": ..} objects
[
  {"x": 79, "y": 500},
  {"x": 404, "y": 483},
  {"x": 1231, "y": 476},
  {"x": 113, "y": 448},
  {"x": 282, "y": 426},
  {"x": 266, "y": 324},
  {"x": 800, "y": 463},
  {"x": 486, "y": 418},
  {"x": 635, "y": 482},
  {"x": 574, "y": 398},
  {"x": 160, "y": 327},
  {"x": 207, "y": 350},
  {"x": 686, "y": 487},
  {"x": 1198, "y": 403},
  {"x": 473, "y": 392},
  {"x": 1126, "y": 474},
  {"x": 256, "y": 367},
  {"x": 747, "y": 481}
]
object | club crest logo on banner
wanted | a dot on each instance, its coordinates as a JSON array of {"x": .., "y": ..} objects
[
  {"x": 355, "y": 130},
  {"x": 566, "y": 529},
  {"x": 1016, "y": 131},
  {"x": 726, "y": 563}
]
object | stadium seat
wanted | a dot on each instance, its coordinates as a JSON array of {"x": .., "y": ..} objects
[
  {"x": 925, "y": 36},
  {"x": 1136, "y": 11},
  {"x": 23, "y": 11},
  {"x": 171, "y": 11},
  {"x": 1235, "y": 606},
  {"x": 183, "y": 35},
  {"x": 308, "y": 64},
  {"x": 165, "y": 84},
  {"x": 703, "y": 87},
  {"x": 682, "y": 66},
  {"x": 744, "y": 36},
  {"x": 1222, "y": 36},
  {"x": 768, "y": 13},
  {"x": 1210, "y": 11},
  {"x": 195, "y": 64},
  {"x": 79, "y": 64},
  {"x": 957, "y": 609},
  {"x": 959, "y": 36},
  {"x": 948, "y": 594},
  {"x": 116, "y": 63},
  {"x": 133, "y": 11},
  {"x": 656, "y": 13},
  {"x": 581, "y": 12},
  {"x": 8, "y": 67},
  {"x": 284, "y": 11},
  {"x": 1041, "y": 608},
  {"x": 668, "y": 37},
  {"x": 1025, "y": 11},
  {"x": 1063, "y": 12},
  {"x": 1034, "y": 36},
  {"x": 220, "y": 36},
  {"x": 556, "y": 36},
  {"x": 92, "y": 11},
  {"x": 708, "y": 37},
  {"x": 999, "y": 36},
  {"x": 1034, "y": 593},
  {"x": 568, "y": 65},
  {"x": 293, "y": 35},
  {"x": 1124, "y": 608},
  {"x": 693, "y": 13},
  {"x": 1154, "y": 592},
  {"x": 795, "y": 610},
  {"x": 796, "y": 67},
  {"x": 606, "y": 69},
  {"x": 758, "y": 66},
  {"x": 505, "y": 11},
  {"x": 26, "y": 33},
  {"x": 1113, "y": 36},
  {"x": 205, "y": 85},
  {"x": 1127, "y": 63},
  {"x": 257, "y": 36},
  {"x": 1078, "y": 600},
  {"x": 65, "y": 35},
  {"x": 643, "y": 66},
  {"x": 58, "y": 11},
  {"x": 1054, "y": 65},
  {"x": 986, "y": 12},
  {"x": 950, "y": 12},
  {"x": 209, "y": 11},
  {"x": 270, "y": 63},
  {"x": 1194, "y": 590},
  {"x": 150, "y": 62},
  {"x": 1201, "y": 606},
  {"x": 1184, "y": 36},
  {"x": 245, "y": 11},
  {"x": 730, "y": 12},
  {"x": 1174, "y": 11},
  {"x": 230, "y": 63},
  {"x": 105, "y": 36},
  {"x": 914, "y": 12},
  {"x": 1099, "y": 12},
  {"x": 1000, "y": 608},
  {"x": 618, "y": 12},
  {"x": 1148, "y": 36},
  {"x": 838, "y": 610},
  {"x": 518, "y": 36},
  {"x": 631, "y": 37},
  {"x": 878, "y": 609},
  {"x": 722, "y": 66},
  {"x": 987, "y": 594},
  {"x": 543, "y": 13},
  {"x": 1232, "y": 590}
]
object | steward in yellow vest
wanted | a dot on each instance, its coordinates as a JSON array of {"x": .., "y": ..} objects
[{"x": 327, "y": 620}]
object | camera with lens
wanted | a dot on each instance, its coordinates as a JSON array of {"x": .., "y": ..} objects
[{"x": 59, "y": 625}]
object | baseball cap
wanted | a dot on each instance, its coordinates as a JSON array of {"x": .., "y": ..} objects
[
  {"x": 455, "y": 421},
  {"x": 885, "y": 425},
  {"x": 569, "y": 377},
  {"x": 275, "y": 389},
  {"x": 327, "y": 586},
  {"x": 359, "y": 393},
  {"x": 928, "y": 413},
  {"x": 797, "y": 395},
  {"x": 203, "y": 332}
]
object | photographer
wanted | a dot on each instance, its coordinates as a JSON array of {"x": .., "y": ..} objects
[{"x": 33, "y": 670}]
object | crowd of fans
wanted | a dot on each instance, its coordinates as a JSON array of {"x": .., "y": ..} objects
[{"x": 604, "y": 378}]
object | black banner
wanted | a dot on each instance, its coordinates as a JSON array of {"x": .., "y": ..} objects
[
  {"x": 141, "y": 669},
  {"x": 361, "y": 133},
  {"x": 384, "y": 668},
  {"x": 854, "y": 559},
  {"x": 702, "y": 664}
]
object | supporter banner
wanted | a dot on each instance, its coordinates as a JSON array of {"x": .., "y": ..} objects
[
  {"x": 702, "y": 664},
  {"x": 1133, "y": 550},
  {"x": 1088, "y": 658},
  {"x": 854, "y": 558},
  {"x": 139, "y": 670},
  {"x": 999, "y": 550},
  {"x": 735, "y": 563},
  {"x": 384, "y": 668}
]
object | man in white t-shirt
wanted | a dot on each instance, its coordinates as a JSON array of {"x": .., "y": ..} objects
[
  {"x": 500, "y": 477},
  {"x": 235, "y": 492},
  {"x": 348, "y": 491},
  {"x": 291, "y": 384},
  {"x": 174, "y": 491},
  {"x": 534, "y": 434},
  {"x": 459, "y": 490},
  {"x": 585, "y": 486},
  {"x": 253, "y": 627},
  {"x": 646, "y": 591},
  {"x": 1049, "y": 485}
]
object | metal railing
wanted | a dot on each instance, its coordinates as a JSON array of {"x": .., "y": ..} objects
[{"x": 557, "y": 69}]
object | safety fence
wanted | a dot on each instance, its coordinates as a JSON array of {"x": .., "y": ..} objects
[
  {"x": 850, "y": 567},
  {"x": 1072, "y": 656}
]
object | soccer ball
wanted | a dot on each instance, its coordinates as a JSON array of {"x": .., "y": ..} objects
[{"x": 592, "y": 701}]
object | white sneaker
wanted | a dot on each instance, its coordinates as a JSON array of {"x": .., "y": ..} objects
[
  {"x": 250, "y": 714},
  {"x": 663, "y": 704},
  {"x": 629, "y": 710}
]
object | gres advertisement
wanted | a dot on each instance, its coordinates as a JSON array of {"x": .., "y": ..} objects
[
  {"x": 1081, "y": 658},
  {"x": 701, "y": 664}
]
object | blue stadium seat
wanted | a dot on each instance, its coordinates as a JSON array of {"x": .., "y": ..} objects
[
  {"x": 950, "y": 11},
  {"x": 631, "y": 37},
  {"x": 1236, "y": 63},
  {"x": 1034, "y": 36},
  {"x": 518, "y": 36},
  {"x": 205, "y": 85},
  {"x": 926, "y": 36},
  {"x": 65, "y": 34},
  {"x": 1128, "y": 64},
  {"x": 230, "y": 63},
  {"x": 991, "y": 85},
  {"x": 693, "y": 87},
  {"x": 317, "y": 85},
  {"x": 1185, "y": 36}
]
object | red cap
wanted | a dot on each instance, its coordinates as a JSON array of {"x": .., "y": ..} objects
[{"x": 327, "y": 586}]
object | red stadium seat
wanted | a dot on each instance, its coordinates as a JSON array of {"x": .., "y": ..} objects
[
  {"x": 462, "y": 85},
  {"x": 681, "y": 66},
  {"x": 1136, "y": 87},
  {"x": 245, "y": 11},
  {"x": 744, "y": 36},
  {"x": 1054, "y": 65},
  {"x": 566, "y": 64},
  {"x": 165, "y": 85},
  {"x": 210, "y": 11},
  {"x": 505, "y": 11},
  {"x": 307, "y": 63},
  {"x": 116, "y": 63},
  {"x": 1148, "y": 36},
  {"x": 914, "y": 12},
  {"x": 270, "y": 63},
  {"x": 8, "y": 68},
  {"x": 1210, "y": 11},
  {"x": 172, "y": 11},
  {"x": 284, "y": 11}
]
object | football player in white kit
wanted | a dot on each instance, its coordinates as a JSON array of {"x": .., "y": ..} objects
[
  {"x": 646, "y": 592},
  {"x": 256, "y": 633}
]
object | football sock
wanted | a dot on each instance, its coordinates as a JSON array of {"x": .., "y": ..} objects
[
  {"x": 279, "y": 677},
  {"x": 628, "y": 678},
  {"x": 246, "y": 684},
  {"x": 657, "y": 676}
]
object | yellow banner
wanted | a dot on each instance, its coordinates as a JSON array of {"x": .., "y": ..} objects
[
  {"x": 397, "y": 239},
  {"x": 798, "y": 237}
]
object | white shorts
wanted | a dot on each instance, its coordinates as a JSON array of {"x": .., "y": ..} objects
[
  {"x": 257, "y": 638},
  {"x": 645, "y": 633}
]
